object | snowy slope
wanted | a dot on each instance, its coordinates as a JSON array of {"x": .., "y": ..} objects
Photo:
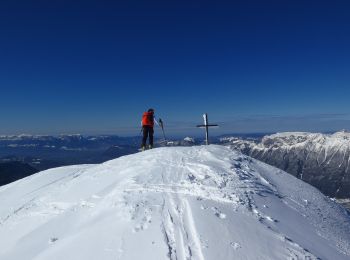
[{"x": 204, "y": 202}]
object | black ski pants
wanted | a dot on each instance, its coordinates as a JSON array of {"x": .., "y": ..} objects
[{"x": 147, "y": 132}]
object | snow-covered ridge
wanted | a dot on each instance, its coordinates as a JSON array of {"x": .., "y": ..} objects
[
  {"x": 340, "y": 139},
  {"x": 322, "y": 160},
  {"x": 205, "y": 202}
]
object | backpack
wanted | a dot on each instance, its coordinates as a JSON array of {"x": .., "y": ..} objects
[{"x": 148, "y": 119}]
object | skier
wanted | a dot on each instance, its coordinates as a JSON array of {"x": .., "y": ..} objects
[{"x": 148, "y": 120}]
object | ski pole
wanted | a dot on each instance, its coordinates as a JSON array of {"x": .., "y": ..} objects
[
  {"x": 141, "y": 130},
  {"x": 162, "y": 126}
]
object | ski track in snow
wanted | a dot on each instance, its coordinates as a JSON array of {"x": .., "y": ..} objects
[{"x": 153, "y": 204}]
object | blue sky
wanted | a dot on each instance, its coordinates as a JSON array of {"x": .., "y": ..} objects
[{"x": 94, "y": 66}]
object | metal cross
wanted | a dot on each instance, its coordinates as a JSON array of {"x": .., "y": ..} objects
[{"x": 206, "y": 126}]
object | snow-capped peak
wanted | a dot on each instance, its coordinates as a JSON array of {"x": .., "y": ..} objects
[
  {"x": 204, "y": 202},
  {"x": 291, "y": 138}
]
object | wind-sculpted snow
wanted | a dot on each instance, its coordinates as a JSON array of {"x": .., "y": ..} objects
[
  {"x": 204, "y": 202},
  {"x": 319, "y": 159}
]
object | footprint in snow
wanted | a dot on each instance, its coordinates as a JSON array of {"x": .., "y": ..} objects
[
  {"x": 145, "y": 222},
  {"x": 271, "y": 219},
  {"x": 137, "y": 229},
  {"x": 204, "y": 207},
  {"x": 218, "y": 213},
  {"x": 204, "y": 243},
  {"x": 86, "y": 204},
  {"x": 53, "y": 240},
  {"x": 263, "y": 217},
  {"x": 235, "y": 245}
]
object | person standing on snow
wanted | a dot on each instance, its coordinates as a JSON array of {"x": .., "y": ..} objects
[{"x": 148, "y": 120}]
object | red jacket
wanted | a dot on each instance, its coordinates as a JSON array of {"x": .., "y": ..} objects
[{"x": 148, "y": 119}]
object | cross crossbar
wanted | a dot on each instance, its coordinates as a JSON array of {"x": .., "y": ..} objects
[{"x": 206, "y": 125}]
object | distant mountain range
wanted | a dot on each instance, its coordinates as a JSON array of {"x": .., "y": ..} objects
[
  {"x": 22, "y": 155},
  {"x": 44, "y": 152},
  {"x": 322, "y": 160}
]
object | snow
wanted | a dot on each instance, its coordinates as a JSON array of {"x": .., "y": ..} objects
[
  {"x": 204, "y": 202},
  {"x": 327, "y": 141},
  {"x": 189, "y": 139},
  {"x": 21, "y": 145},
  {"x": 325, "y": 146},
  {"x": 329, "y": 145}
]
